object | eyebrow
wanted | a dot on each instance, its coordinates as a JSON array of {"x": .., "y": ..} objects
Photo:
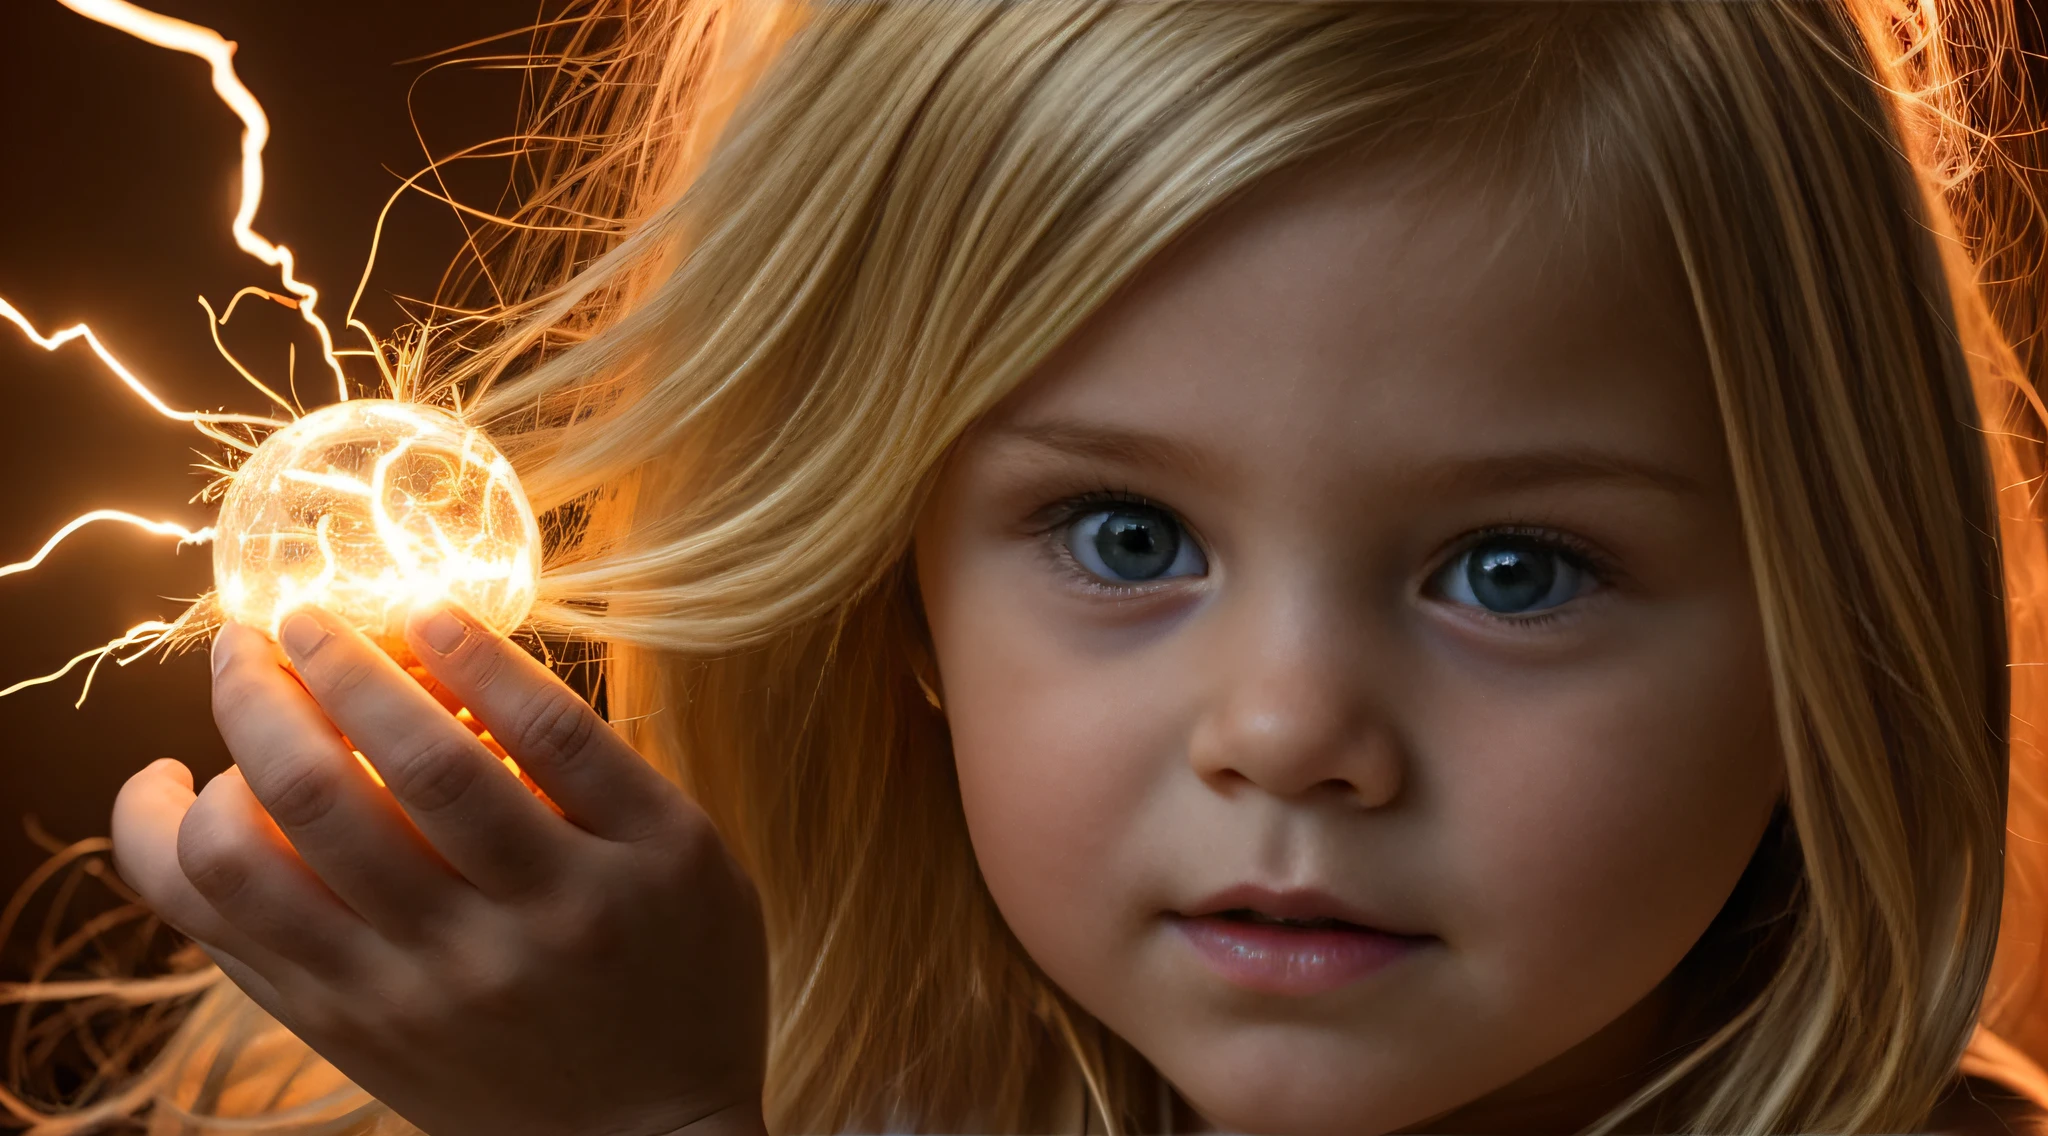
[
  {"x": 1564, "y": 465},
  {"x": 1126, "y": 447},
  {"x": 1486, "y": 473}
]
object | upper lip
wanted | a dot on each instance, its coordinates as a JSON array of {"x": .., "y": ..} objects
[{"x": 1287, "y": 903}]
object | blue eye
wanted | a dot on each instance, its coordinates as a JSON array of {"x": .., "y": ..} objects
[
  {"x": 1131, "y": 544},
  {"x": 1514, "y": 575}
]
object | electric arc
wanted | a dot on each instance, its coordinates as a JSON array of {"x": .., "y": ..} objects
[{"x": 366, "y": 507}]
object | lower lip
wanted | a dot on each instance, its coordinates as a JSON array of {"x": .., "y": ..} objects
[{"x": 1273, "y": 959}]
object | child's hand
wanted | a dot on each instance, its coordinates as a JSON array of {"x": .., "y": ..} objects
[{"x": 474, "y": 960}]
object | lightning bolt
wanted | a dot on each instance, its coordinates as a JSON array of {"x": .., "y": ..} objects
[
  {"x": 161, "y": 528},
  {"x": 218, "y": 53},
  {"x": 429, "y": 467}
]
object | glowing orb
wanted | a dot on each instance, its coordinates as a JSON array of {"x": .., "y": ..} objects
[{"x": 368, "y": 509}]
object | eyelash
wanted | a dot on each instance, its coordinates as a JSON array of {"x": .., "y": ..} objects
[
  {"x": 1064, "y": 512},
  {"x": 1574, "y": 550},
  {"x": 1060, "y": 515}
]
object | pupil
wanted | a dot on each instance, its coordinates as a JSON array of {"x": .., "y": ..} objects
[
  {"x": 1137, "y": 546},
  {"x": 1507, "y": 578}
]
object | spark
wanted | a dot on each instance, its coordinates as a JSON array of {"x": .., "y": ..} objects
[
  {"x": 364, "y": 506},
  {"x": 219, "y": 54},
  {"x": 161, "y": 528},
  {"x": 13, "y": 315},
  {"x": 150, "y": 633},
  {"x": 209, "y": 45}
]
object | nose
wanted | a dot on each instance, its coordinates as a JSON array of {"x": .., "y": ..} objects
[{"x": 1297, "y": 711}]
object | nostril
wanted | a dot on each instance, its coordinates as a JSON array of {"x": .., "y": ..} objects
[{"x": 1227, "y": 777}]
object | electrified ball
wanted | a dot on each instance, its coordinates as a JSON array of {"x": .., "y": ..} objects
[{"x": 368, "y": 509}]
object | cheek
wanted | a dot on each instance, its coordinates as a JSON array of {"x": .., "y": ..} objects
[
  {"x": 1058, "y": 749},
  {"x": 1602, "y": 823}
]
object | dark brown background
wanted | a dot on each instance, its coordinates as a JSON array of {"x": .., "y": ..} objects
[
  {"x": 117, "y": 183},
  {"x": 117, "y": 170}
]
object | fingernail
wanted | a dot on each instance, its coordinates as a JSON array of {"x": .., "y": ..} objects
[
  {"x": 301, "y": 635},
  {"x": 443, "y": 630}
]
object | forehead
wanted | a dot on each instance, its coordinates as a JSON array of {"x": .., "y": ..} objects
[{"x": 1354, "y": 314}]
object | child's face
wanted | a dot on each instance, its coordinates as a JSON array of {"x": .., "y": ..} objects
[{"x": 1371, "y": 558}]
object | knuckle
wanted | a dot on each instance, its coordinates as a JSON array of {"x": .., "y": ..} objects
[
  {"x": 303, "y": 794},
  {"x": 553, "y": 728},
  {"x": 683, "y": 843},
  {"x": 219, "y": 863},
  {"x": 489, "y": 981},
  {"x": 433, "y": 775},
  {"x": 234, "y": 695},
  {"x": 585, "y": 924},
  {"x": 484, "y": 666},
  {"x": 417, "y": 1009},
  {"x": 341, "y": 677}
]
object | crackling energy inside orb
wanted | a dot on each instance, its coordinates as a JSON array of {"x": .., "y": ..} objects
[{"x": 368, "y": 509}]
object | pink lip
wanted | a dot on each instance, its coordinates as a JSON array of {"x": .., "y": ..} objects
[{"x": 1274, "y": 959}]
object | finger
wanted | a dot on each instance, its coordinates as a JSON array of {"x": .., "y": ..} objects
[
  {"x": 571, "y": 753},
  {"x": 239, "y": 861},
  {"x": 475, "y": 813},
  {"x": 347, "y": 830},
  {"x": 147, "y": 814}
]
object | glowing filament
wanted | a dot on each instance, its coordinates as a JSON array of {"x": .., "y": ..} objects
[
  {"x": 368, "y": 509},
  {"x": 13, "y": 315},
  {"x": 219, "y": 54},
  {"x": 161, "y": 528}
]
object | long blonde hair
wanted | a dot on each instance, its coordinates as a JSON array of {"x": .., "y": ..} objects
[{"x": 846, "y": 230}]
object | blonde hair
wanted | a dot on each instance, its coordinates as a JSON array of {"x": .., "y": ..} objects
[{"x": 849, "y": 229}]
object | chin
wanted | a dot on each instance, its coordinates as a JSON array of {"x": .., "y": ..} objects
[
  {"x": 1298, "y": 1117},
  {"x": 1294, "y": 1097}
]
